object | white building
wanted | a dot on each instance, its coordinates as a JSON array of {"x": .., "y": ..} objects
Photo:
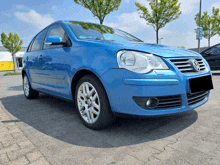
[{"x": 6, "y": 61}]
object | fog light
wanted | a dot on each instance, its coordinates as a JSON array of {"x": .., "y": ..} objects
[{"x": 152, "y": 103}]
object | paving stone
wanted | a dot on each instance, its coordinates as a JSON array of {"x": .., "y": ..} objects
[
  {"x": 11, "y": 124},
  {"x": 3, "y": 129},
  {"x": 97, "y": 161},
  {"x": 26, "y": 143},
  {"x": 165, "y": 154},
  {"x": 40, "y": 161},
  {"x": 5, "y": 136},
  {"x": 129, "y": 160},
  {"x": 33, "y": 156},
  {"x": 3, "y": 158},
  {"x": 4, "y": 118},
  {"x": 153, "y": 161},
  {"x": 15, "y": 154},
  {"x": 15, "y": 130},
  {"x": 20, "y": 161},
  {"x": 11, "y": 127},
  {"x": 1, "y": 146},
  {"x": 7, "y": 143},
  {"x": 143, "y": 153},
  {"x": 182, "y": 145},
  {"x": 203, "y": 129},
  {"x": 10, "y": 148},
  {"x": 207, "y": 147},
  {"x": 17, "y": 135},
  {"x": 197, "y": 157},
  {"x": 159, "y": 144}
]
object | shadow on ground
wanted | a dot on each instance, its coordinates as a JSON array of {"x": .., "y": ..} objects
[{"x": 58, "y": 119}]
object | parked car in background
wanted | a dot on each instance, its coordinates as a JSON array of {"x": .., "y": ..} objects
[
  {"x": 107, "y": 72},
  {"x": 212, "y": 56}
]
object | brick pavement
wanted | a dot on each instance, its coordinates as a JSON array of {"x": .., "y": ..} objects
[{"x": 15, "y": 147}]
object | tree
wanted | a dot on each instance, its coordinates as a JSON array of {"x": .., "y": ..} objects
[
  {"x": 13, "y": 44},
  {"x": 100, "y": 8},
  {"x": 163, "y": 12},
  {"x": 210, "y": 24},
  {"x": 181, "y": 47}
]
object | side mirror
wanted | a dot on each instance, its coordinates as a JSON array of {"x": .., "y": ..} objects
[{"x": 54, "y": 40}]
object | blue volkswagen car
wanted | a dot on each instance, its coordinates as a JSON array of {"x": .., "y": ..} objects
[{"x": 107, "y": 72}]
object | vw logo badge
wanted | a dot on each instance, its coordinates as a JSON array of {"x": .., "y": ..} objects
[{"x": 196, "y": 65}]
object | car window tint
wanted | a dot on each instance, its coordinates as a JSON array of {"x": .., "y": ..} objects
[
  {"x": 215, "y": 50},
  {"x": 56, "y": 30},
  {"x": 38, "y": 40},
  {"x": 207, "y": 51},
  {"x": 29, "y": 47}
]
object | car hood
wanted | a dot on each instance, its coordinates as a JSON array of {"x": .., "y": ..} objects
[{"x": 160, "y": 50}]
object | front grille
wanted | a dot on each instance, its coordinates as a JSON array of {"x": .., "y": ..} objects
[
  {"x": 164, "y": 101},
  {"x": 196, "y": 98},
  {"x": 186, "y": 66}
]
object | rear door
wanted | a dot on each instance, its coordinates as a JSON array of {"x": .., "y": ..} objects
[{"x": 32, "y": 58}]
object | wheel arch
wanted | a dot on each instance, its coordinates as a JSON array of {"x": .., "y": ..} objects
[
  {"x": 23, "y": 73},
  {"x": 80, "y": 74}
]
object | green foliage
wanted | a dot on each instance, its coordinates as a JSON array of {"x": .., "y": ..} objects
[
  {"x": 163, "y": 12},
  {"x": 12, "y": 43},
  {"x": 181, "y": 47},
  {"x": 210, "y": 24},
  {"x": 9, "y": 73},
  {"x": 102, "y": 29},
  {"x": 100, "y": 8}
]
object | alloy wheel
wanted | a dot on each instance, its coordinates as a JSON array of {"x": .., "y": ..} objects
[
  {"x": 26, "y": 86},
  {"x": 88, "y": 102}
]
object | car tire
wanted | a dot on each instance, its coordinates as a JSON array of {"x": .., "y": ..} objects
[
  {"x": 92, "y": 103},
  {"x": 29, "y": 93}
]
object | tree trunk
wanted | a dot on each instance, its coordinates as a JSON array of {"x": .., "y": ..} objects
[
  {"x": 101, "y": 21},
  {"x": 209, "y": 35},
  {"x": 14, "y": 62},
  {"x": 157, "y": 36}
]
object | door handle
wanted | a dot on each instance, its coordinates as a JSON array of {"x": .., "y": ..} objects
[{"x": 41, "y": 56}]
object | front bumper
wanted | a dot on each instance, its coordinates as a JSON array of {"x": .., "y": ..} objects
[{"x": 121, "y": 90}]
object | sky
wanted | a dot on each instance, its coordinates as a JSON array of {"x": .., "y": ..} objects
[{"x": 27, "y": 18}]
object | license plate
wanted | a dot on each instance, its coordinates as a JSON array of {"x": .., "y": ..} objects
[{"x": 200, "y": 84}]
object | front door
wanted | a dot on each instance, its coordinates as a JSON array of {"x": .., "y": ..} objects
[{"x": 54, "y": 65}]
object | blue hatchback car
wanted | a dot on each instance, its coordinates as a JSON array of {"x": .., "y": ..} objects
[{"x": 107, "y": 71}]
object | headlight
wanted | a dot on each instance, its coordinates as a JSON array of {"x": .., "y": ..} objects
[{"x": 139, "y": 62}]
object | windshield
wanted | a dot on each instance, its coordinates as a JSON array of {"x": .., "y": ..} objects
[{"x": 89, "y": 31}]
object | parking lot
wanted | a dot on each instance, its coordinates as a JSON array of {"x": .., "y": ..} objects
[{"x": 47, "y": 130}]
